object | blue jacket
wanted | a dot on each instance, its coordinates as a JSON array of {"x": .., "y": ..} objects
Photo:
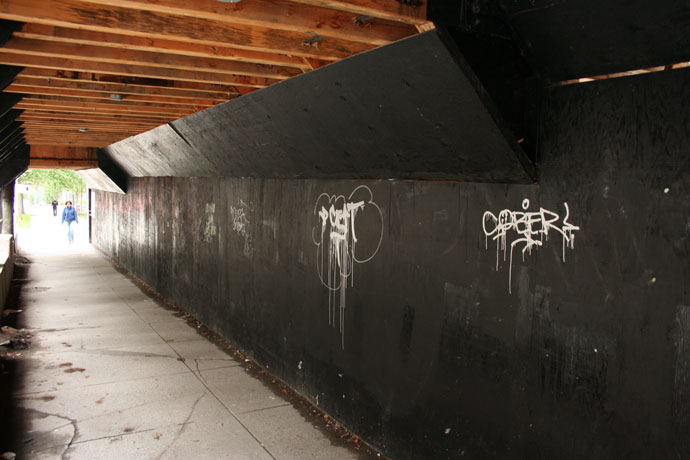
[{"x": 69, "y": 215}]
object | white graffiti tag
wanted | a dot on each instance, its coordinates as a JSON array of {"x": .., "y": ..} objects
[
  {"x": 336, "y": 236},
  {"x": 210, "y": 230},
  {"x": 240, "y": 224},
  {"x": 531, "y": 228}
]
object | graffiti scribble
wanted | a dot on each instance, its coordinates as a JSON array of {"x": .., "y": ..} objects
[
  {"x": 336, "y": 235},
  {"x": 210, "y": 229},
  {"x": 531, "y": 229},
  {"x": 240, "y": 224}
]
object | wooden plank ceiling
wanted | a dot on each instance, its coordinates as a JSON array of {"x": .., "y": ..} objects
[{"x": 93, "y": 72}]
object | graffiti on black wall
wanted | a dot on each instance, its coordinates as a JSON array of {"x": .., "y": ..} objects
[
  {"x": 528, "y": 230},
  {"x": 241, "y": 224},
  {"x": 348, "y": 231},
  {"x": 210, "y": 227}
]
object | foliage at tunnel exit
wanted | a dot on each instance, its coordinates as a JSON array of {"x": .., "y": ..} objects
[{"x": 53, "y": 182}]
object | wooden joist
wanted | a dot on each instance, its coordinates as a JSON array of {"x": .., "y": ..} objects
[
  {"x": 80, "y": 65},
  {"x": 53, "y": 75},
  {"x": 124, "y": 89},
  {"x": 98, "y": 71},
  {"x": 160, "y": 45},
  {"x": 413, "y": 13},
  {"x": 154, "y": 24},
  {"x": 67, "y": 117},
  {"x": 34, "y": 47},
  {"x": 59, "y": 163},
  {"x": 283, "y": 15},
  {"x": 83, "y": 94}
]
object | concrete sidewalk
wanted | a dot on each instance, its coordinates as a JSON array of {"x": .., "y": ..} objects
[{"x": 111, "y": 374}]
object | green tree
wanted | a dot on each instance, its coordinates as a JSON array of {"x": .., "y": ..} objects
[{"x": 53, "y": 182}]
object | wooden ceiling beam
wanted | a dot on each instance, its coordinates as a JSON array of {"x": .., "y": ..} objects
[
  {"x": 128, "y": 131},
  {"x": 63, "y": 152},
  {"x": 156, "y": 118},
  {"x": 95, "y": 95},
  {"x": 50, "y": 157},
  {"x": 58, "y": 163},
  {"x": 392, "y": 10},
  {"x": 152, "y": 24},
  {"x": 74, "y": 136},
  {"x": 104, "y": 110},
  {"x": 138, "y": 82},
  {"x": 105, "y": 139},
  {"x": 87, "y": 118},
  {"x": 281, "y": 15},
  {"x": 65, "y": 113},
  {"x": 35, "y": 47},
  {"x": 117, "y": 105},
  {"x": 72, "y": 143},
  {"x": 77, "y": 135},
  {"x": 130, "y": 42},
  {"x": 84, "y": 127},
  {"x": 78, "y": 125},
  {"x": 126, "y": 90},
  {"x": 79, "y": 65},
  {"x": 69, "y": 135}
]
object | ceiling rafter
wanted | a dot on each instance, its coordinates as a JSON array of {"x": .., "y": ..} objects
[
  {"x": 407, "y": 12},
  {"x": 282, "y": 15},
  {"x": 153, "y": 24},
  {"x": 129, "y": 42},
  {"x": 81, "y": 65},
  {"x": 140, "y": 82},
  {"x": 127, "y": 90},
  {"x": 93, "y": 72},
  {"x": 86, "y": 95},
  {"x": 35, "y": 47}
]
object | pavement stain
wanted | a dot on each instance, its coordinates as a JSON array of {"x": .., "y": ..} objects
[
  {"x": 45, "y": 398},
  {"x": 71, "y": 370}
]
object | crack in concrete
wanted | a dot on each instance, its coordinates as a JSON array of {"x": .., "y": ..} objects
[
  {"x": 203, "y": 382},
  {"x": 182, "y": 428},
  {"x": 70, "y": 421},
  {"x": 196, "y": 361},
  {"x": 232, "y": 413},
  {"x": 119, "y": 435}
]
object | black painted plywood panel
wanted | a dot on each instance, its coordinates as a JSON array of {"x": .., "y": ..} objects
[
  {"x": 14, "y": 166},
  {"x": 447, "y": 347},
  {"x": 568, "y": 40},
  {"x": 159, "y": 152},
  {"x": 9, "y": 118},
  {"x": 411, "y": 109},
  {"x": 7, "y": 101},
  {"x": 96, "y": 179},
  {"x": 9, "y": 144}
]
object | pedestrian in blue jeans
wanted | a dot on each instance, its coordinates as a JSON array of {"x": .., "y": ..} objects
[{"x": 69, "y": 215}]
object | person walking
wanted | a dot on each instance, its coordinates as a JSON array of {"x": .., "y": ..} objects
[
  {"x": 55, "y": 205},
  {"x": 69, "y": 215}
]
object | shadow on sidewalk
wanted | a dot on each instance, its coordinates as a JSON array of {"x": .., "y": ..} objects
[{"x": 14, "y": 424}]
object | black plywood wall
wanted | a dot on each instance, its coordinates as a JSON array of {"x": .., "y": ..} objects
[
  {"x": 393, "y": 306},
  {"x": 413, "y": 109}
]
